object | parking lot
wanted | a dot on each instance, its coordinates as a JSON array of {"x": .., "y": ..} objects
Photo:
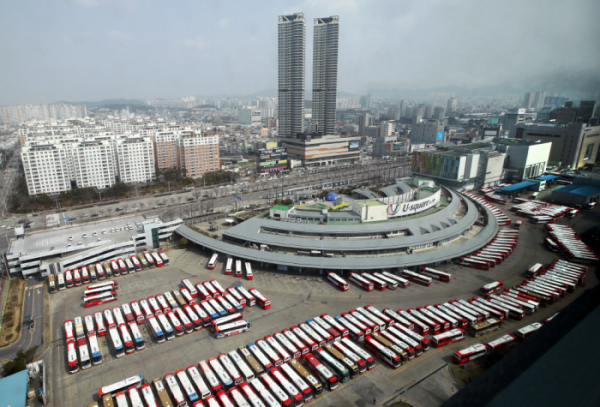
[{"x": 294, "y": 298}]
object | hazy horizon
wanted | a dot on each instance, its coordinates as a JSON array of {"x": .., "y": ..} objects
[{"x": 91, "y": 50}]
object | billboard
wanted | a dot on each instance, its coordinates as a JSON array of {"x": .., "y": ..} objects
[
  {"x": 398, "y": 146},
  {"x": 272, "y": 145},
  {"x": 408, "y": 208},
  {"x": 272, "y": 160},
  {"x": 354, "y": 145},
  {"x": 440, "y": 136}
]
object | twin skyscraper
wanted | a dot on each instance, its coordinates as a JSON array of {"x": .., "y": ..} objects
[{"x": 292, "y": 46}]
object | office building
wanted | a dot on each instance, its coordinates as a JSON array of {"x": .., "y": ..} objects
[
  {"x": 291, "y": 50},
  {"x": 538, "y": 100},
  {"x": 316, "y": 150},
  {"x": 574, "y": 145},
  {"x": 198, "y": 154},
  {"x": 428, "y": 112},
  {"x": 325, "y": 66},
  {"x": 364, "y": 122},
  {"x": 510, "y": 120},
  {"x": 249, "y": 116},
  {"x": 365, "y": 101},
  {"x": 439, "y": 113},
  {"x": 387, "y": 128},
  {"x": 94, "y": 164},
  {"x": 135, "y": 160},
  {"x": 427, "y": 131},
  {"x": 524, "y": 158},
  {"x": 452, "y": 104},
  {"x": 544, "y": 114},
  {"x": 527, "y": 101}
]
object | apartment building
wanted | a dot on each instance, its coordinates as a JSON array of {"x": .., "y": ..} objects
[
  {"x": 93, "y": 164},
  {"x": 165, "y": 149},
  {"x": 198, "y": 153},
  {"x": 46, "y": 169},
  {"x": 135, "y": 160}
]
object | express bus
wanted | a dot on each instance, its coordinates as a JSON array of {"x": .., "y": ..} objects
[
  {"x": 175, "y": 391},
  {"x": 100, "y": 328},
  {"x": 434, "y": 327},
  {"x": 446, "y": 338},
  {"x": 136, "y": 262},
  {"x": 157, "y": 259},
  {"x": 77, "y": 277},
  {"x": 472, "y": 307},
  {"x": 352, "y": 367},
  {"x": 203, "y": 390},
  {"x": 69, "y": 279},
  {"x": 534, "y": 270},
  {"x": 220, "y": 372},
  {"x": 290, "y": 336},
  {"x": 233, "y": 301},
  {"x": 217, "y": 305},
  {"x": 337, "y": 281},
  {"x": 469, "y": 354},
  {"x": 374, "y": 318},
  {"x": 323, "y": 332},
  {"x": 190, "y": 287},
  {"x": 254, "y": 399},
  {"x": 187, "y": 386},
  {"x": 236, "y": 394},
  {"x": 246, "y": 371},
  {"x": 265, "y": 394},
  {"x": 402, "y": 282},
  {"x": 51, "y": 283},
  {"x": 149, "y": 260},
  {"x": 354, "y": 332},
  {"x": 337, "y": 335},
  {"x": 164, "y": 303},
  {"x": 424, "y": 342},
  {"x": 89, "y": 324},
  {"x": 452, "y": 321},
  {"x": 262, "y": 301},
  {"x": 491, "y": 288},
  {"x": 127, "y": 312},
  {"x": 176, "y": 323},
  {"x": 390, "y": 283},
  {"x": 166, "y": 325},
  {"x": 365, "y": 321},
  {"x": 365, "y": 328},
  {"x": 416, "y": 277},
  {"x": 209, "y": 309},
  {"x": 461, "y": 321},
  {"x": 278, "y": 347},
  {"x": 155, "y": 329},
  {"x": 250, "y": 300},
  {"x": 249, "y": 274},
  {"x": 503, "y": 340},
  {"x": 484, "y": 327},
  {"x": 201, "y": 314},
  {"x": 514, "y": 312},
  {"x": 238, "y": 268},
  {"x": 162, "y": 393},
  {"x": 204, "y": 294},
  {"x": 135, "y": 381},
  {"x": 115, "y": 268},
  {"x": 497, "y": 314},
  {"x": 526, "y": 331},
  {"x": 61, "y": 282},
  {"x": 211, "y": 377},
  {"x": 377, "y": 283},
  {"x": 419, "y": 325},
  {"x": 251, "y": 361},
  {"x": 293, "y": 374},
  {"x": 116, "y": 342},
  {"x": 98, "y": 299},
  {"x": 468, "y": 262},
  {"x": 134, "y": 396},
  {"x": 341, "y": 372},
  {"x": 433, "y": 316},
  {"x": 137, "y": 336},
  {"x": 146, "y": 308},
  {"x": 228, "y": 266},
  {"x": 185, "y": 321},
  {"x": 232, "y": 328},
  {"x": 269, "y": 352},
  {"x": 196, "y": 321},
  {"x": 209, "y": 287},
  {"x": 292, "y": 391},
  {"x": 137, "y": 312},
  {"x": 386, "y": 355},
  {"x": 322, "y": 372},
  {"x": 163, "y": 257},
  {"x": 264, "y": 361},
  {"x": 186, "y": 296},
  {"x": 129, "y": 345},
  {"x": 335, "y": 324},
  {"x": 148, "y": 395},
  {"x": 84, "y": 353},
  {"x": 350, "y": 354},
  {"x": 361, "y": 281},
  {"x": 438, "y": 275},
  {"x": 214, "y": 260},
  {"x": 470, "y": 317},
  {"x": 318, "y": 339},
  {"x": 398, "y": 319}
]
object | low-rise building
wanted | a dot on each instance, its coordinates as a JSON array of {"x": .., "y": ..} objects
[
  {"x": 524, "y": 158},
  {"x": 317, "y": 150}
]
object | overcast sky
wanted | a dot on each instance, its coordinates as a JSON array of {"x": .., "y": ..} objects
[{"x": 90, "y": 50}]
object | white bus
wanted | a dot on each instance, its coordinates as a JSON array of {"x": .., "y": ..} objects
[
  {"x": 187, "y": 385},
  {"x": 402, "y": 282},
  {"x": 438, "y": 275},
  {"x": 214, "y": 260},
  {"x": 416, "y": 277},
  {"x": 242, "y": 365},
  {"x": 190, "y": 287},
  {"x": 230, "y": 367},
  {"x": 175, "y": 391},
  {"x": 220, "y": 372},
  {"x": 199, "y": 382},
  {"x": 249, "y": 274},
  {"x": 155, "y": 329},
  {"x": 238, "y": 268},
  {"x": 228, "y": 266},
  {"x": 121, "y": 385}
]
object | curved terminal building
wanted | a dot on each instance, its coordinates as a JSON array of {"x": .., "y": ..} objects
[{"x": 402, "y": 227}]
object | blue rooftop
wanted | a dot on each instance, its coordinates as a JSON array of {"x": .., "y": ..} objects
[
  {"x": 548, "y": 177},
  {"x": 517, "y": 186},
  {"x": 585, "y": 190},
  {"x": 13, "y": 390}
]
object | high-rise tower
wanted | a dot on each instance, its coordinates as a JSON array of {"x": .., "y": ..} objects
[
  {"x": 292, "y": 44},
  {"x": 325, "y": 66}
]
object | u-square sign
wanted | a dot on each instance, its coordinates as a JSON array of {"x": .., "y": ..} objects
[{"x": 409, "y": 208}]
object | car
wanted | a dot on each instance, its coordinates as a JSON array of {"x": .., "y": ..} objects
[
  {"x": 31, "y": 325},
  {"x": 99, "y": 239},
  {"x": 189, "y": 199},
  {"x": 104, "y": 232},
  {"x": 160, "y": 203},
  {"x": 94, "y": 215},
  {"x": 84, "y": 235},
  {"x": 3, "y": 226},
  {"x": 84, "y": 215},
  {"x": 70, "y": 238},
  {"x": 69, "y": 245},
  {"x": 79, "y": 244},
  {"x": 94, "y": 234},
  {"x": 119, "y": 209}
]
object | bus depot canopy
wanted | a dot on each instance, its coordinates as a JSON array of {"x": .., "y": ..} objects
[
  {"x": 516, "y": 187},
  {"x": 548, "y": 177}
]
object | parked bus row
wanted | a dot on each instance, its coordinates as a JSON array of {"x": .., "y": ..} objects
[
  {"x": 501, "y": 218},
  {"x": 494, "y": 252},
  {"x": 232, "y": 299},
  {"x": 570, "y": 245},
  {"x": 538, "y": 211},
  {"x": 383, "y": 280},
  {"x": 100, "y": 293},
  {"x": 235, "y": 267},
  {"x": 102, "y": 270}
]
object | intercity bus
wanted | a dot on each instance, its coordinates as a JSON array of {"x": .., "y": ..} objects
[
  {"x": 127, "y": 313},
  {"x": 238, "y": 268},
  {"x": 85, "y": 275},
  {"x": 290, "y": 348},
  {"x": 472, "y": 307},
  {"x": 164, "y": 303},
  {"x": 337, "y": 281},
  {"x": 157, "y": 259},
  {"x": 296, "y": 341},
  {"x": 187, "y": 386},
  {"x": 122, "y": 266},
  {"x": 211, "y": 377},
  {"x": 503, "y": 340},
  {"x": 446, "y": 338},
  {"x": 354, "y": 332},
  {"x": 526, "y": 306},
  {"x": 214, "y": 260},
  {"x": 391, "y": 284},
  {"x": 209, "y": 309},
  {"x": 377, "y": 283},
  {"x": 371, "y": 317},
  {"x": 452, "y": 322},
  {"x": 232, "y": 328},
  {"x": 238, "y": 297},
  {"x": 116, "y": 342},
  {"x": 69, "y": 279},
  {"x": 342, "y": 373},
  {"x": 402, "y": 282},
  {"x": 469, "y": 354},
  {"x": 51, "y": 283},
  {"x": 155, "y": 329},
  {"x": 95, "y": 349},
  {"x": 364, "y": 320},
  {"x": 323, "y": 333},
  {"x": 89, "y": 324},
  {"x": 130, "y": 267},
  {"x": 166, "y": 326},
  {"x": 433, "y": 316},
  {"x": 271, "y": 354},
  {"x": 461, "y": 321},
  {"x": 100, "y": 271},
  {"x": 365, "y": 328},
  {"x": 471, "y": 319},
  {"x": 484, "y": 327},
  {"x": 163, "y": 257},
  {"x": 137, "y": 312},
  {"x": 98, "y": 299},
  {"x": 419, "y": 325},
  {"x": 352, "y": 367},
  {"x": 215, "y": 284},
  {"x": 186, "y": 295},
  {"x": 129, "y": 345},
  {"x": 361, "y": 282},
  {"x": 149, "y": 260},
  {"x": 100, "y": 328},
  {"x": 225, "y": 304},
  {"x": 246, "y": 371},
  {"x": 137, "y": 266},
  {"x": 201, "y": 314},
  {"x": 318, "y": 339},
  {"x": 137, "y": 336},
  {"x": 265, "y": 393},
  {"x": 118, "y": 316},
  {"x": 298, "y": 380},
  {"x": 98, "y": 290},
  {"x": 322, "y": 372},
  {"x": 398, "y": 319},
  {"x": 389, "y": 341},
  {"x": 77, "y": 277},
  {"x": 491, "y": 288},
  {"x": 307, "y": 340},
  {"x": 416, "y": 277},
  {"x": 410, "y": 346},
  {"x": 190, "y": 287},
  {"x": 438, "y": 275},
  {"x": 358, "y": 361},
  {"x": 84, "y": 353},
  {"x": 424, "y": 342},
  {"x": 434, "y": 327},
  {"x": 497, "y": 314},
  {"x": 264, "y": 361},
  {"x": 196, "y": 321},
  {"x": 147, "y": 311},
  {"x": 61, "y": 282},
  {"x": 281, "y": 351},
  {"x": 134, "y": 396},
  {"x": 163, "y": 395},
  {"x": 220, "y": 372},
  {"x": 250, "y": 300},
  {"x": 526, "y": 331},
  {"x": 228, "y": 265},
  {"x": 135, "y": 380},
  {"x": 386, "y": 355},
  {"x": 176, "y": 323},
  {"x": 292, "y": 391},
  {"x": 327, "y": 327},
  {"x": 249, "y": 274},
  {"x": 251, "y": 395},
  {"x": 112, "y": 284},
  {"x": 148, "y": 395},
  {"x": 468, "y": 262},
  {"x": 335, "y": 324},
  {"x": 251, "y": 361},
  {"x": 233, "y": 302},
  {"x": 238, "y": 398},
  {"x": 212, "y": 290},
  {"x": 175, "y": 391},
  {"x": 203, "y": 390},
  {"x": 514, "y": 312},
  {"x": 217, "y": 307},
  {"x": 262, "y": 301},
  {"x": 534, "y": 270},
  {"x": 458, "y": 307},
  {"x": 115, "y": 268},
  {"x": 204, "y": 294}
]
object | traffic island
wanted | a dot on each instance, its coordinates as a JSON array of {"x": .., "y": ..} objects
[{"x": 11, "y": 319}]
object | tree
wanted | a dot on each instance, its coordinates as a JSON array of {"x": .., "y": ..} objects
[
  {"x": 20, "y": 361},
  {"x": 288, "y": 201},
  {"x": 183, "y": 242}
]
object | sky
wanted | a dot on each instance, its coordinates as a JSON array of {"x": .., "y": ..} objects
[{"x": 91, "y": 50}]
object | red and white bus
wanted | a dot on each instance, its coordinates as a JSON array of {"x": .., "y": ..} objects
[
  {"x": 514, "y": 312},
  {"x": 249, "y": 274},
  {"x": 473, "y": 308},
  {"x": 148, "y": 395},
  {"x": 433, "y": 316},
  {"x": 69, "y": 279},
  {"x": 190, "y": 287},
  {"x": 497, "y": 314},
  {"x": 129, "y": 345},
  {"x": 391, "y": 283},
  {"x": 250, "y": 300},
  {"x": 359, "y": 352},
  {"x": 461, "y": 321},
  {"x": 355, "y": 358},
  {"x": 419, "y": 325},
  {"x": 77, "y": 277},
  {"x": 534, "y": 270},
  {"x": 225, "y": 304},
  {"x": 402, "y": 282},
  {"x": 398, "y": 342},
  {"x": 335, "y": 324},
  {"x": 157, "y": 259},
  {"x": 291, "y": 390},
  {"x": 310, "y": 344},
  {"x": 334, "y": 333},
  {"x": 358, "y": 317},
  {"x": 85, "y": 275},
  {"x": 188, "y": 297},
  {"x": 361, "y": 281},
  {"x": 469, "y": 354},
  {"x": 163, "y": 257},
  {"x": 434, "y": 327},
  {"x": 470, "y": 318},
  {"x": 100, "y": 328},
  {"x": 238, "y": 268},
  {"x": 422, "y": 340},
  {"x": 294, "y": 376},
  {"x": 209, "y": 287},
  {"x": 338, "y": 281},
  {"x": 416, "y": 277},
  {"x": 97, "y": 299},
  {"x": 264, "y": 393},
  {"x": 468, "y": 262},
  {"x": 100, "y": 271},
  {"x": 235, "y": 293},
  {"x": 204, "y": 294},
  {"x": 201, "y": 314},
  {"x": 377, "y": 283},
  {"x": 491, "y": 287},
  {"x": 452, "y": 322},
  {"x": 99, "y": 290},
  {"x": 262, "y": 301},
  {"x": 146, "y": 308},
  {"x": 258, "y": 354},
  {"x": 297, "y": 342},
  {"x": 446, "y": 338},
  {"x": 150, "y": 260},
  {"x": 436, "y": 274},
  {"x": 526, "y": 331},
  {"x": 210, "y": 376},
  {"x": 228, "y": 266},
  {"x": 269, "y": 352},
  {"x": 231, "y": 369},
  {"x": 185, "y": 321},
  {"x": 322, "y": 372},
  {"x": 162, "y": 301},
  {"x": 196, "y": 321},
  {"x": 136, "y": 262},
  {"x": 199, "y": 383},
  {"x": 137, "y": 312},
  {"x": 283, "y": 354},
  {"x": 364, "y": 328},
  {"x": 175, "y": 391},
  {"x": 220, "y": 372},
  {"x": 214, "y": 260},
  {"x": 176, "y": 323},
  {"x": 374, "y": 318},
  {"x": 234, "y": 302},
  {"x": 354, "y": 332},
  {"x": 386, "y": 355},
  {"x": 398, "y": 320},
  {"x": 122, "y": 266},
  {"x": 503, "y": 340},
  {"x": 289, "y": 347},
  {"x": 115, "y": 268},
  {"x": 217, "y": 286},
  {"x": 238, "y": 398},
  {"x": 415, "y": 345}
]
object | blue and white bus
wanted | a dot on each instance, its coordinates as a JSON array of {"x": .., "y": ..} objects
[
  {"x": 137, "y": 336},
  {"x": 155, "y": 329},
  {"x": 95, "y": 349}
]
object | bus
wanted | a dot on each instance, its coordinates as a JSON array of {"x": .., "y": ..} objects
[
  {"x": 166, "y": 326},
  {"x": 329, "y": 337},
  {"x": 358, "y": 361},
  {"x": 249, "y": 274},
  {"x": 250, "y": 300},
  {"x": 163, "y": 302},
  {"x": 321, "y": 372},
  {"x": 51, "y": 283},
  {"x": 250, "y": 360},
  {"x": 269, "y": 352},
  {"x": 196, "y": 321},
  {"x": 228, "y": 266},
  {"x": 214, "y": 260},
  {"x": 503, "y": 340},
  {"x": 466, "y": 310},
  {"x": 112, "y": 284},
  {"x": 187, "y": 386},
  {"x": 264, "y": 393},
  {"x": 100, "y": 328},
  {"x": 121, "y": 399},
  {"x": 424, "y": 342},
  {"x": 190, "y": 287},
  {"x": 472, "y": 307},
  {"x": 290, "y": 336},
  {"x": 361, "y": 282},
  {"x": 114, "y": 267},
  {"x": 122, "y": 266},
  {"x": 175, "y": 391},
  {"x": 217, "y": 306},
  {"x": 484, "y": 327},
  {"x": 469, "y": 354},
  {"x": 254, "y": 399},
  {"x": 210, "y": 376},
  {"x": 232, "y": 328},
  {"x": 95, "y": 350},
  {"x": 185, "y": 321},
  {"x": 372, "y": 316},
  {"x": 233, "y": 301},
  {"x": 398, "y": 319},
  {"x": 116, "y": 342},
  {"x": 186, "y": 296},
  {"x": 377, "y": 282},
  {"x": 148, "y": 395},
  {"x": 434, "y": 327},
  {"x": 149, "y": 260},
  {"x": 93, "y": 275},
  {"x": 129, "y": 345},
  {"x": 203, "y": 390},
  {"x": 534, "y": 270},
  {"x": 89, "y": 324},
  {"x": 225, "y": 304},
  {"x": 238, "y": 268},
  {"x": 137, "y": 312},
  {"x": 69, "y": 279},
  {"x": 444, "y": 316},
  {"x": 155, "y": 329},
  {"x": 491, "y": 288},
  {"x": 551, "y": 244},
  {"x": 181, "y": 300},
  {"x": 157, "y": 259},
  {"x": 163, "y": 257},
  {"x": 98, "y": 290},
  {"x": 386, "y": 355},
  {"x": 306, "y": 339},
  {"x": 100, "y": 271},
  {"x": 352, "y": 367},
  {"x": 333, "y": 332},
  {"x": 438, "y": 275},
  {"x": 337, "y": 281},
  {"x": 61, "y": 282},
  {"x": 290, "y": 347},
  {"x": 77, "y": 277},
  {"x": 291, "y": 390},
  {"x": 409, "y": 345},
  {"x": 260, "y": 356},
  {"x": 136, "y": 262},
  {"x": 163, "y": 395},
  {"x": 341, "y": 372},
  {"x": 84, "y": 353},
  {"x": 262, "y": 301},
  {"x": 236, "y": 394},
  {"x": 433, "y": 316},
  {"x": 518, "y": 223},
  {"x": 127, "y": 313},
  {"x": 467, "y": 262},
  {"x": 204, "y": 294},
  {"x": 209, "y": 309},
  {"x": 446, "y": 338},
  {"x": 356, "y": 329},
  {"x": 146, "y": 308},
  {"x": 402, "y": 282},
  {"x": 292, "y": 373},
  {"x": 130, "y": 266},
  {"x": 220, "y": 372},
  {"x": 175, "y": 323},
  {"x": 134, "y": 396},
  {"x": 209, "y": 287},
  {"x": 481, "y": 304},
  {"x": 135, "y": 380},
  {"x": 283, "y": 354},
  {"x": 390, "y": 283},
  {"x": 514, "y": 312},
  {"x": 230, "y": 367},
  {"x": 471, "y": 319},
  {"x": 137, "y": 336},
  {"x": 416, "y": 277},
  {"x": 358, "y": 317},
  {"x": 343, "y": 331},
  {"x": 419, "y": 325},
  {"x": 246, "y": 371},
  {"x": 526, "y": 331},
  {"x": 98, "y": 299},
  {"x": 204, "y": 318},
  {"x": 318, "y": 339}
]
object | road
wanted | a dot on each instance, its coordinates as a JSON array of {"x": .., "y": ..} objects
[{"x": 34, "y": 307}]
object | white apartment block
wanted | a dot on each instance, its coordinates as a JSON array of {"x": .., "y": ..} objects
[
  {"x": 46, "y": 169},
  {"x": 94, "y": 164},
  {"x": 135, "y": 160}
]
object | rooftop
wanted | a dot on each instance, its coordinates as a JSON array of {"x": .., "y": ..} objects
[
  {"x": 14, "y": 390},
  {"x": 282, "y": 207},
  {"x": 585, "y": 190},
  {"x": 369, "y": 202}
]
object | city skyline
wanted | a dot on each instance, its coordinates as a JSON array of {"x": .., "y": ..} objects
[{"x": 91, "y": 50}]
